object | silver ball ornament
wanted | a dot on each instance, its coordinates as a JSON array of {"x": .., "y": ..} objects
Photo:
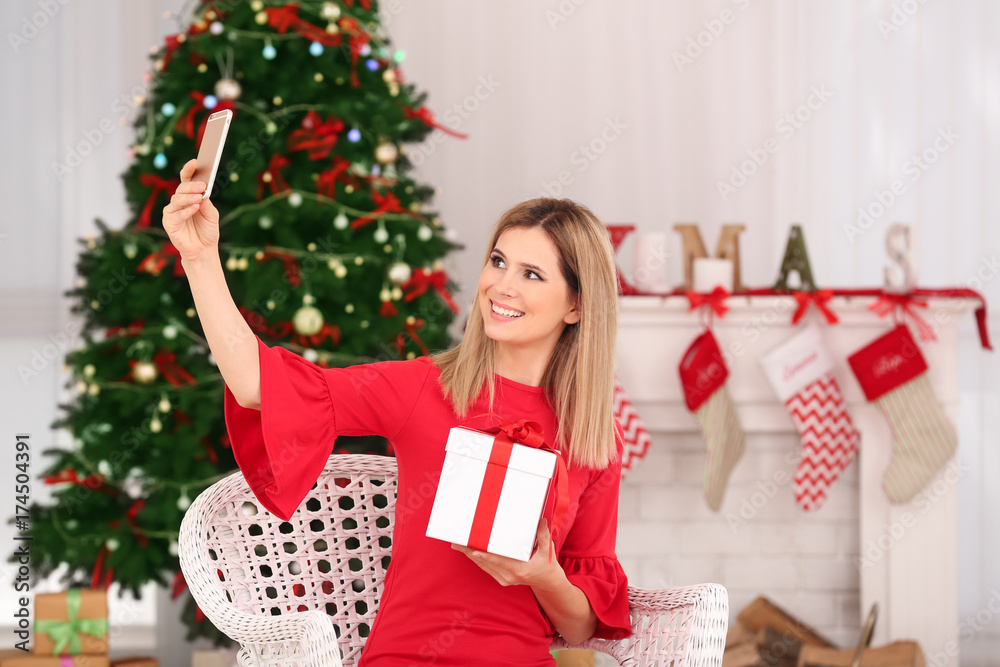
[
  {"x": 400, "y": 272},
  {"x": 307, "y": 321},
  {"x": 228, "y": 89}
]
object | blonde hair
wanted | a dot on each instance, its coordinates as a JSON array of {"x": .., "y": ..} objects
[{"x": 580, "y": 374}]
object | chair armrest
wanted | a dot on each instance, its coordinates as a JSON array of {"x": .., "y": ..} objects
[{"x": 311, "y": 630}]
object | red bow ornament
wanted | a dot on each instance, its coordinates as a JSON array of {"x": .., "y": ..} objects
[
  {"x": 715, "y": 300},
  {"x": 157, "y": 186},
  {"x": 889, "y": 302},
  {"x": 154, "y": 262},
  {"x": 316, "y": 136},
  {"x": 385, "y": 203},
  {"x": 421, "y": 280},
  {"x": 272, "y": 176},
  {"x": 424, "y": 114},
  {"x": 326, "y": 184}
]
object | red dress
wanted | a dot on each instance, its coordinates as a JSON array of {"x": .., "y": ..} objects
[{"x": 437, "y": 606}]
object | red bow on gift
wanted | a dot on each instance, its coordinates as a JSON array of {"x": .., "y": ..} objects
[
  {"x": 888, "y": 302},
  {"x": 820, "y": 298},
  {"x": 529, "y": 434},
  {"x": 424, "y": 114},
  {"x": 316, "y": 136},
  {"x": 422, "y": 280},
  {"x": 716, "y": 300}
]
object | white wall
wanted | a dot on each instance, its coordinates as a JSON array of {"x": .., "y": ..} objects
[{"x": 537, "y": 79}]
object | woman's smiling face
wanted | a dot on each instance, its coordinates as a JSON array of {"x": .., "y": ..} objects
[{"x": 523, "y": 296}]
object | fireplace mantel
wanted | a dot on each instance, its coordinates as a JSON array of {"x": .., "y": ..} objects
[{"x": 908, "y": 560}]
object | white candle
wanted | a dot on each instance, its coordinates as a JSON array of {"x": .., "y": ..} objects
[
  {"x": 650, "y": 269},
  {"x": 710, "y": 272}
]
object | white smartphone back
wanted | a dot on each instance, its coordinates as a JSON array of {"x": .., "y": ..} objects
[{"x": 210, "y": 152}]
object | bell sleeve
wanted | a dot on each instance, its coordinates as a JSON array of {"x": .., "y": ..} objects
[
  {"x": 588, "y": 554},
  {"x": 282, "y": 447}
]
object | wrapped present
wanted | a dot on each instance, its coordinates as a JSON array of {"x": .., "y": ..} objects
[
  {"x": 135, "y": 662},
  {"x": 494, "y": 488},
  {"x": 73, "y": 622},
  {"x": 35, "y": 660}
]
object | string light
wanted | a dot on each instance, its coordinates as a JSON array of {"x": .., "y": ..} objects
[
  {"x": 160, "y": 161},
  {"x": 168, "y": 109},
  {"x": 269, "y": 51},
  {"x": 316, "y": 49}
]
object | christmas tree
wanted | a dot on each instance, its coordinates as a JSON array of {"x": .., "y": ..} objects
[{"x": 329, "y": 247}]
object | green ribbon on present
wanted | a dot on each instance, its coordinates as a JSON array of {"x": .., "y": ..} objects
[{"x": 66, "y": 634}]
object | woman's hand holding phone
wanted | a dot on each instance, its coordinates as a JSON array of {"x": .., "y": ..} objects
[{"x": 190, "y": 220}]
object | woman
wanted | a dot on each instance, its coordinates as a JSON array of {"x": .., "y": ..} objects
[{"x": 539, "y": 346}]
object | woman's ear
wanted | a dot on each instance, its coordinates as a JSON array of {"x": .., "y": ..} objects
[{"x": 573, "y": 316}]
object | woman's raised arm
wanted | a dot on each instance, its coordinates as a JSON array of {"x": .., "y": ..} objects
[{"x": 192, "y": 223}]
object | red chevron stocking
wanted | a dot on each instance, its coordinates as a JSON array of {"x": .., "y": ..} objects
[
  {"x": 801, "y": 372},
  {"x": 636, "y": 435}
]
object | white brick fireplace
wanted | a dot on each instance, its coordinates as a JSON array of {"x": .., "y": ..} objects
[{"x": 826, "y": 567}]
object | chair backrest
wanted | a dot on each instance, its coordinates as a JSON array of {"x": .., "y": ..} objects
[{"x": 332, "y": 555}]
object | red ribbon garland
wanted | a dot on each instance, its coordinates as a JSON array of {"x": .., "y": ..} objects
[
  {"x": 133, "y": 524},
  {"x": 715, "y": 300},
  {"x": 888, "y": 302},
  {"x": 385, "y": 203},
  {"x": 178, "y": 586},
  {"x": 820, "y": 298},
  {"x": 290, "y": 261},
  {"x": 424, "y": 114},
  {"x": 278, "y": 182},
  {"x": 326, "y": 184},
  {"x": 316, "y": 136},
  {"x": 95, "y": 577},
  {"x": 92, "y": 482},
  {"x": 529, "y": 434},
  {"x": 154, "y": 262},
  {"x": 421, "y": 280},
  {"x": 158, "y": 185}
]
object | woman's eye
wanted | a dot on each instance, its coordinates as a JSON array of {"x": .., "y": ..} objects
[
  {"x": 531, "y": 275},
  {"x": 497, "y": 261}
]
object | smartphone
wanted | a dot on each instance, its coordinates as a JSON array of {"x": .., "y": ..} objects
[{"x": 210, "y": 152}]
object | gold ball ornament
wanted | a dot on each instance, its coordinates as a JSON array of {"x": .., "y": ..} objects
[
  {"x": 386, "y": 153},
  {"x": 228, "y": 89},
  {"x": 155, "y": 425},
  {"x": 330, "y": 11},
  {"x": 144, "y": 372},
  {"x": 307, "y": 321}
]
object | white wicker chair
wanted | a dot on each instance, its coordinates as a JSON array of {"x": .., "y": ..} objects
[{"x": 266, "y": 582}]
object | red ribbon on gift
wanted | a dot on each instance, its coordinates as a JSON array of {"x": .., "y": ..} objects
[
  {"x": 889, "y": 302},
  {"x": 385, "y": 203},
  {"x": 316, "y": 136},
  {"x": 529, "y": 434},
  {"x": 288, "y": 258},
  {"x": 715, "y": 300},
  {"x": 421, "y": 280},
  {"x": 820, "y": 299},
  {"x": 424, "y": 114},
  {"x": 278, "y": 182},
  {"x": 158, "y": 185},
  {"x": 155, "y": 261}
]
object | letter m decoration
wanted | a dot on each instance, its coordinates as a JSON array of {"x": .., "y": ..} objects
[{"x": 728, "y": 247}]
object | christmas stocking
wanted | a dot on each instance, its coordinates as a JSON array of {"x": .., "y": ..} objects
[
  {"x": 703, "y": 376},
  {"x": 801, "y": 372},
  {"x": 636, "y": 435},
  {"x": 892, "y": 373}
]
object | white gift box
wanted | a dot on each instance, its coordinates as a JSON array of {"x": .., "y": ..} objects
[{"x": 516, "y": 487}]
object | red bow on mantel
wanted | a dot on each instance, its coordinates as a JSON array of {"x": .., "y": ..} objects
[
  {"x": 529, "y": 434},
  {"x": 820, "y": 299},
  {"x": 715, "y": 300},
  {"x": 424, "y": 114},
  {"x": 888, "y": 302},
  {"x": 421, "y": 280}
]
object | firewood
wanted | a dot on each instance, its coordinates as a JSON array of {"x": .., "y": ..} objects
[
  {"x": 742, "y": 655},
  {"x": 776, "y": 649},
  {"x": 897, "y": 654},
  {"x": 762, "y": 613},
  {"x": 738, "y": 635}
]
